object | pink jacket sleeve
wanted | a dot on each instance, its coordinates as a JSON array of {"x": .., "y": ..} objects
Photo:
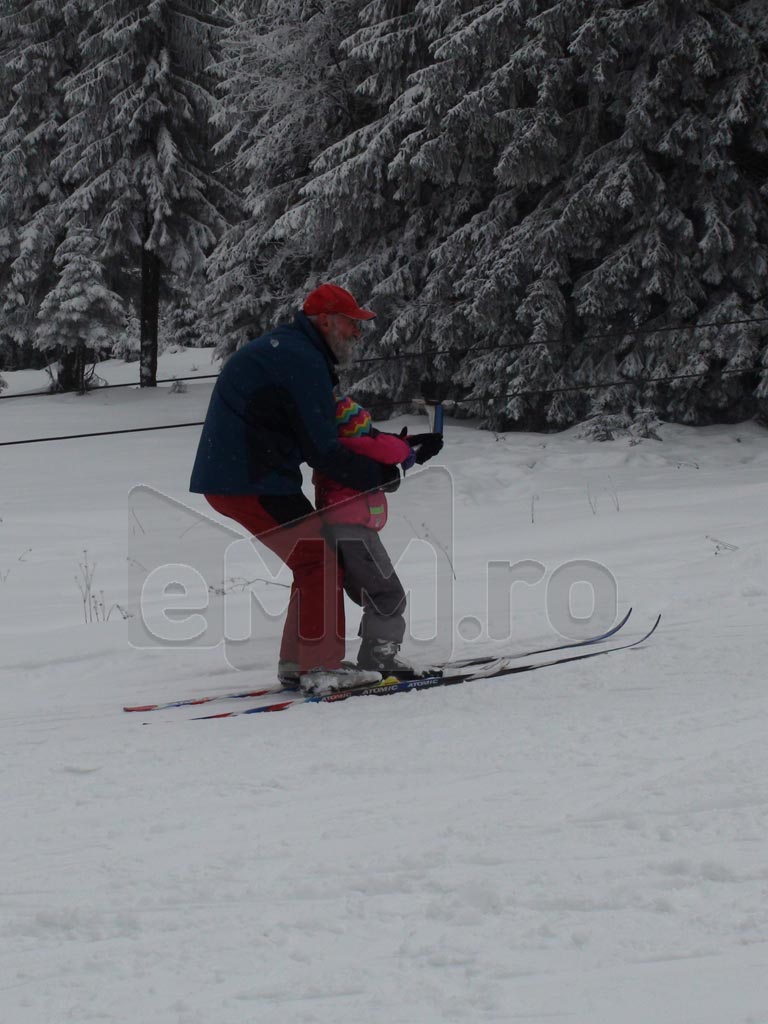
[{"x": 384, "y": 448}]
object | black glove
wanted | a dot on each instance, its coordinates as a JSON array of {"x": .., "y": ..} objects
[
  {"x": 390, "y": 478},
  {"x": 426, "y": 446}
]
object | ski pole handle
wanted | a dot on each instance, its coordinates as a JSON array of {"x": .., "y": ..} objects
[{"x": 435, "y": 416}]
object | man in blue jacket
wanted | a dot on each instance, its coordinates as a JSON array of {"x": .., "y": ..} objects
[{"x": 272, "y": 409}]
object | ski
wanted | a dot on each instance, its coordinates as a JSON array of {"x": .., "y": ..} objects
[
  {"x": 389, "y": 686},
  {"x": 192, "y": 701},
  {"x": 464, "y": 663},
  {"x": 486, "y": 659}
]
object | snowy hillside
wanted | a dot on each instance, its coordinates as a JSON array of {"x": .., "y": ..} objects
[{"x": 587, "y": 842}]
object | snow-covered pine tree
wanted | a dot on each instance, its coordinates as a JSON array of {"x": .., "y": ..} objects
[
  {"x": 324, "y": 223},
  {"x": 138, "y": 149},
  {"x": 680, "y": 175},
  {"x": 553, "y": 179},
  {"x": 648, "y": 220},
  {"x": 81, "y": 313},
  {"x": 360, "y": 216},
  {"x": 288, "y": 92},
  {"x": 38, "y": 50},
  {"x": 383, "y": 199},
  {"x": 185, "y": 322}
]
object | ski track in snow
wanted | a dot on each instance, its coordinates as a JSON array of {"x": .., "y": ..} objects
[{"x": 586, "y": 844}]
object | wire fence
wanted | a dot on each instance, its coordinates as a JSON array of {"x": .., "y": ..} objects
[
  {"x": 103, "y": 387},
  {"x": 456, "y": 351},
  {"x": 430, "y": 354}
]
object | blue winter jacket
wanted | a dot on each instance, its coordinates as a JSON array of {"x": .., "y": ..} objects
[{"x": 272, "y": 409}]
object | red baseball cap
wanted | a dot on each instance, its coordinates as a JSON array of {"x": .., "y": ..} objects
[{"x": 329, "y": 298}]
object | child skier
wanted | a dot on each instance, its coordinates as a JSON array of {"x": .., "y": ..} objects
[{"x": 353, "y": 520}]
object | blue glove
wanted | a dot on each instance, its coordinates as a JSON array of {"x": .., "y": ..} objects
[{"x": 409, "y": 460}]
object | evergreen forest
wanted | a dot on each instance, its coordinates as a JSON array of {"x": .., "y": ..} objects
[{"x": 558, "y": 210}]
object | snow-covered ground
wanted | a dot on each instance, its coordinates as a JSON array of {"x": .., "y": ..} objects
[
  {"x": 172, "y": 363},
  {"x": 587, "y": 842}
]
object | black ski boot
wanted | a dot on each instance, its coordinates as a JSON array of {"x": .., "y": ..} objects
[{"x": 381, "y": 656}]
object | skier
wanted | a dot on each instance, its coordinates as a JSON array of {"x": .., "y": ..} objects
[
  {"x": 272, "y": 409},
  {"x": 353, "y": 521}
]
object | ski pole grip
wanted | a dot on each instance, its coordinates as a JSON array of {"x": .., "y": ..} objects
[
  {"x": 434, "y": 416},
  {"x": 431, "y": 394}
]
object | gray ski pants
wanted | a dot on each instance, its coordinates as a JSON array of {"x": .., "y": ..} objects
[{"x": 370, "y": 580}]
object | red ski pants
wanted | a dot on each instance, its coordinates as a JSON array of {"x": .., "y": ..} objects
[{"x": 313, "y": 635}]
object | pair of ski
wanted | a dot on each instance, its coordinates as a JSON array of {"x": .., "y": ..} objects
[{"x": 486, "y": 667}]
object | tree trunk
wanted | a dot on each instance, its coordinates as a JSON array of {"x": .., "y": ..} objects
[
  {"x": 150, "y": 312},
  {"x": 71, "y": 372}
]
